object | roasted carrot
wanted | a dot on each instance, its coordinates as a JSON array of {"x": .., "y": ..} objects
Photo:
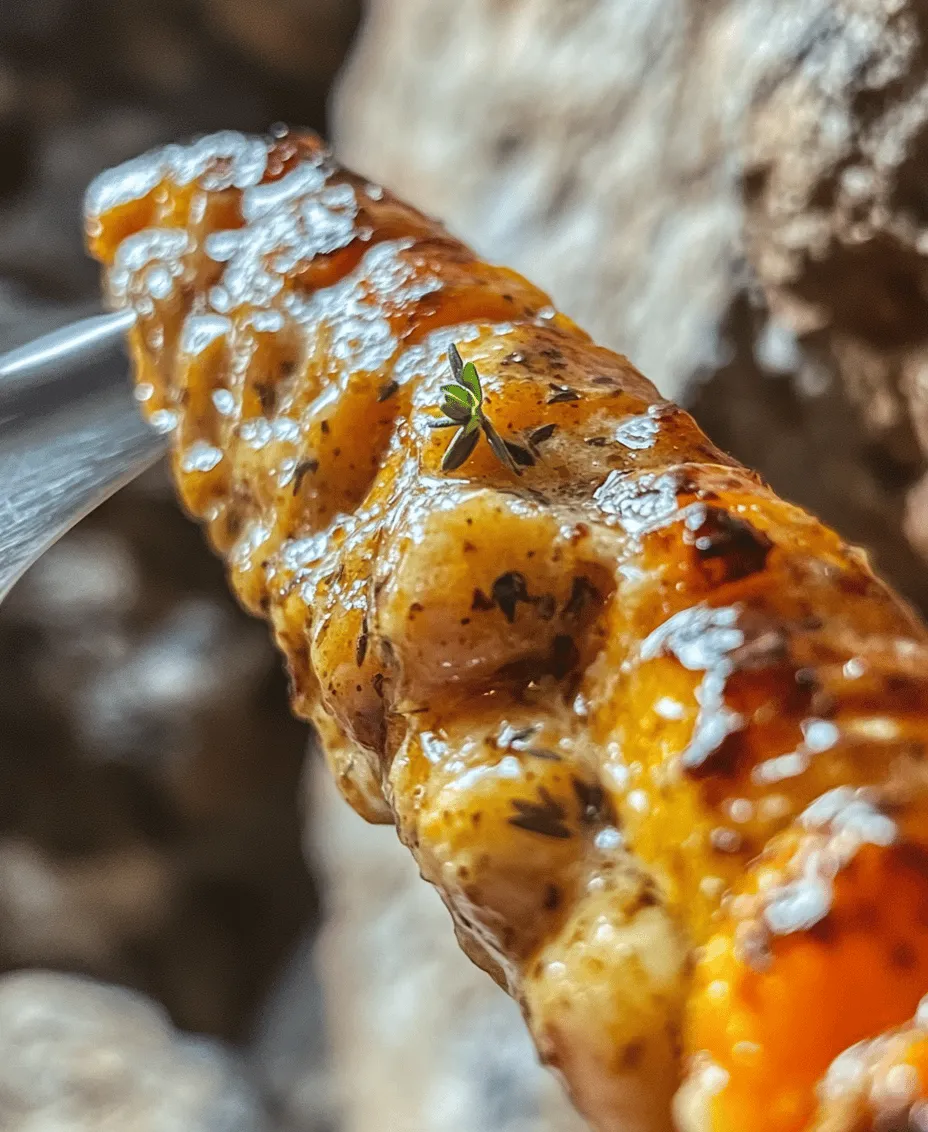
[{"x": 655, "y": 735}]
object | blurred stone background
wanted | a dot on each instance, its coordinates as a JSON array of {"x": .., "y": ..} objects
[{"x": 194, "y": 933}]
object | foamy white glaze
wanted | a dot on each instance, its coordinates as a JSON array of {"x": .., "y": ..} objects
[
  {"x": 847, "y": 819},
  {"x": 222, "y": 160}
]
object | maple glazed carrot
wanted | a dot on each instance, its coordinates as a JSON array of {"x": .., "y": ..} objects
[{"x": 654, "y": 734}]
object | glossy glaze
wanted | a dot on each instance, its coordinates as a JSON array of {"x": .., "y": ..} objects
[{"x": 655, "y": 735}]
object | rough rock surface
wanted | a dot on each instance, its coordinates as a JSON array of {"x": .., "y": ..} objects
[
  {"x": 439, "y": 1047},
  {"x": 730, "y": 191},
  {"x": 80, "y": 1056},
  {"x": 834, "y": 181},
  {"x": 149, "y": 831}
]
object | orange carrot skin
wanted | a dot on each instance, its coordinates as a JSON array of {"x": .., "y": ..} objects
[{"x": 656, "y": 735}]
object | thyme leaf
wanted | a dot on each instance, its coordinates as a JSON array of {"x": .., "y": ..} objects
[
  {"x": 454, "y": 359},
  {"x": 460, "y": 448},
  {"x": 470, "y": 379},
  {"x": 498, "y": 445},
  {"x": 462, "y": 406}
]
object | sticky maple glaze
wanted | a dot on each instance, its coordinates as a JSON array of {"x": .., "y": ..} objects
[
  {"x": 878, "y": 1083},
  {"x": 654, "y": 734}
]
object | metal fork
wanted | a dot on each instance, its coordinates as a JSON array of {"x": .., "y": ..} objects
[{"x": 70, "y": 435}]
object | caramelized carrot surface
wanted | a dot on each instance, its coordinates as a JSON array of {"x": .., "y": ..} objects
[{"x": 654, "y": 734}]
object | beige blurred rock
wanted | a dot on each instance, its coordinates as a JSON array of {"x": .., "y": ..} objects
[
  {"x": 591, "y": 144},
  {"x": 732, "y": 192},
  {"x": 80, "y": 1056},
  {"x": 149, "y": 832},
  {"x": 421, "y": 1040},
  {"x": 84, "y": 912}
]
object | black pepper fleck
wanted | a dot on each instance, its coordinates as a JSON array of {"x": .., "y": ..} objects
[{"x": 545, "y": 817}]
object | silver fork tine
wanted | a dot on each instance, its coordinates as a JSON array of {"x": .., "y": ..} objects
[
  {"x": 70, "y": 435},
  {"x": 61, "y": 350}
]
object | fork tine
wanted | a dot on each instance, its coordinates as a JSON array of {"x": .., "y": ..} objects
[
  {"x": 70, "y": 434},
  {"x": 69, "y": 347}
]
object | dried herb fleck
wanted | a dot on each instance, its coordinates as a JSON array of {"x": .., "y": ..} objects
[
  {"x": 361, "y": 649},
  {"x": 545, "y": 816},
  {"x": 303, "y": 469},
  {"x": 508, "y": 590},
  {"x": 541, "y": 434},
  {"x": 267, "y": 396},
  {"x": 561, "y": 393},
  {"x": 481, "y": 601},
  {"x": 522, "y": 456},
  {"x": 544, "y": 753},
  {"x": 582, "y": 593},
  {"x": 506, "y": 593},
  {"x": 595, "y": 804}
]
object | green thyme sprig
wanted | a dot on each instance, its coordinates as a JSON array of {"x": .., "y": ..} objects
[{"x": 463, "y": 409}]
